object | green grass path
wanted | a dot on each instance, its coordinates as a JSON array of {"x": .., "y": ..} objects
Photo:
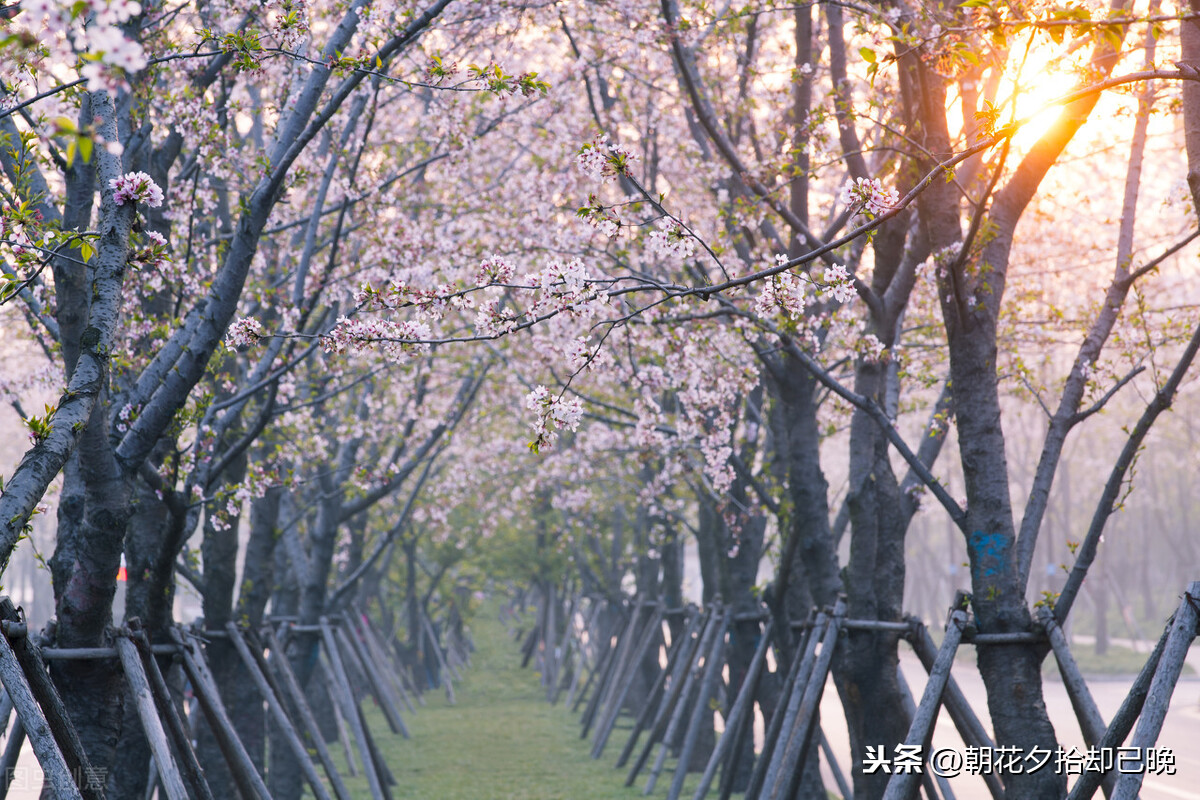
[{"x": 501, "y": 741}]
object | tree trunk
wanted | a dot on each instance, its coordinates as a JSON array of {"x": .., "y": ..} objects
[{"x": 84, "y": 567}]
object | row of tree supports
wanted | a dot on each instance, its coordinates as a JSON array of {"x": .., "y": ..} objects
[
  {"x": 662, "y": 668},
  {"x": 353, "y": 655}
]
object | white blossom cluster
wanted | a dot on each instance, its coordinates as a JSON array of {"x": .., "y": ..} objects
[
  {"x": 871, "y": 349},
  {"x": 552, "y": 415},
  {"x": 839, "y": 284},
  {"x": 602, "y": 161},
  {"x": 494, "y": 269},
  {"x": 782, "y": 293},
  {"x": 399, "y": 341},
  {"x": 243, "y": 333},
  {"x": 88, "y": 28},
  {"x": 670, "y": 241},
  {"x": 868, "y": 194}
]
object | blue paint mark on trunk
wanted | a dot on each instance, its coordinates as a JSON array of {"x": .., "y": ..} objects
[{"x": 990, "y": 553}]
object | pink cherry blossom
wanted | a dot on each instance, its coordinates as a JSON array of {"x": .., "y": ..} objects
[
  {"x": 136, "y": 187},
  {"x": 243, "y": 333}
]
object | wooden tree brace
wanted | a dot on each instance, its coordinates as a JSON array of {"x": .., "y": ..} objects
[
  {"x": 903, "y": 785},
  {"x": 291, "y": 686},
  {"x": 342, "y": 693},
  {"x": 1170, "y": 665},
  {"x": 713, "y": 661},
  {"x": 41, "y": 688},
  {"x": 1122, "y": 722},
  {"x": 12, "y": 750},
  {"x": 657, "y": 695},
  {"x": 181, "y": 738},
  {"x": 139, "y": 688},
  {"x": 808, "y": 639},
  {"x": 965, "y": 721},
  {"x": 54, "y": 767},
  {"x": 680, "y": 675},
  {"x": 672, "y": 733},
  {"x": 241, "y": 767},
  {"x": 742, "y": 705},
  {"x": 278, "y": 714},
  {"x": 391, "y": 670},
  {"x": 796, "y": 754},
  {"x": 613, "y": 664},
  {"x": 651, "y": 633},
  {"x": 437, "y": 651},
  {"x": 383, "y": 695},
  {"x": 791, "y": 707}
]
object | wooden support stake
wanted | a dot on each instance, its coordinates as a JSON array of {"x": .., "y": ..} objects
[
  {"x": 795, "y": 755},
  {"x": 616, "y": 666},
  {"x": 386, "y": 779},
  {"x": 550, "y": 642},
  {"x": 1091, "y": 724},
  {"x": 838, "y": 776},
  {"x": 12, "y": 751},
  {"x": 341, "y": 688},
  {"x": 758, "y": 776},
  {"x": 386, "y": 700},
  {"x": 6, "y": 708},
  {"x": 910, "y": 710},
  {"x": 241, "y": 767},
  {"x": 657, "y": 696},
  {"x": 290, "y": 686},
  {"x": 389, "y": 668},
  {"x": 789, "y": 707},
  {"x": 1154, "y": 711},
  {"x": 598, "y": 660},
  {"x": 342, "y": 726},
  {"x": 152, "y": 781},
  {"x": 672, "y": 732},
  {"x": 567, "y": 671},
  {"x": 674, "y": 696},
  {"x": 181, "y": 739},
  {"x": 733, "y": 758},
  {"x": 54, "y": 766},
  {"x": 651, "y": 633},
  {"x": 965, "y": 721},
  {"x": 594, "y": 672},
  {"x": 741, "y": 706},
  {"x": 666, "y": 708},
  {"x": 278, "y": 714},
  {"x": 903, "y": 785},
  {"x": 42, "y": 688},
  {"x": 713, "y": 661},
  {"x": 567, "y": 637},
  {"x": 437, "y": 651},
  {"x": 1122, "y": 722},
  {"x": 139, "y": 688}
]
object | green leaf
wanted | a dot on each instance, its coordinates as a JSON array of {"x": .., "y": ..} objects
[
  {"x": 85, "y": 148},
  {"x": 867, "y": 54}
]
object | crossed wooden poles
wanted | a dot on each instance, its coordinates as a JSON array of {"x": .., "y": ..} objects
[
  {"x": 349, "y": 646},
  {"x": 689, "y": 675}
]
